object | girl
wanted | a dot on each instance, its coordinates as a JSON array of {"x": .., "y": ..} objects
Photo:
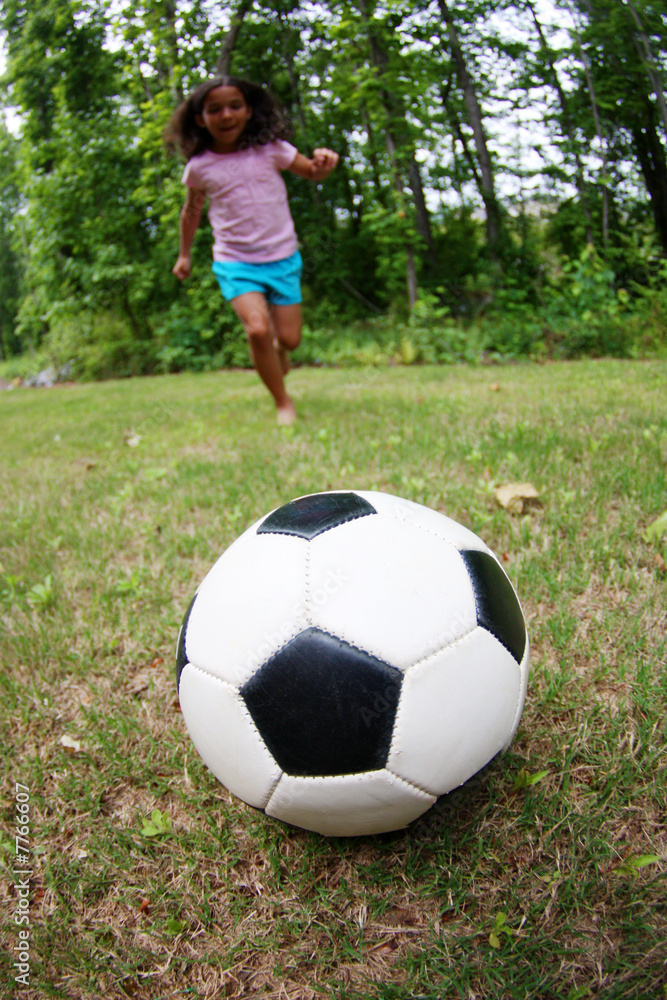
[{"x": 234, "y": 138}]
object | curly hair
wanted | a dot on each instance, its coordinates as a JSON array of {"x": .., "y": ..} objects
[{"x": 266, "y": 123}]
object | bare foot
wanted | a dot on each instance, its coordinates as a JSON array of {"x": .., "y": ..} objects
[
  {"x": 283, "y": 357},
  {"x": 286, "y": 414}
]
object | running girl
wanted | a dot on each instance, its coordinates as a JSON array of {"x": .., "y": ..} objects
[{"x": 235, "y": 141}]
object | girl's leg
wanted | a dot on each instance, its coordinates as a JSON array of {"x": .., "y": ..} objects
[
  {"x": 287, "y": 324},
  {"x": 253, "y": 311}
]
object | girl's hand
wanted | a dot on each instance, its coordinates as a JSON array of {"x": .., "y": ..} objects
[
  {"x": 324, "y": 161},
  {"x": 182, "y": 268},
  {"x": 316, "y": 168}
]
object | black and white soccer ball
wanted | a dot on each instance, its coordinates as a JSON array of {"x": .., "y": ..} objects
[{"x": 348, "y": 659}]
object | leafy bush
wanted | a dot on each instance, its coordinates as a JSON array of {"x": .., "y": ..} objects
[
  {"x": 23, "y": 366},
  {"x": 98, "y": 346},
  {"x": 181, "y": 343},
  {"x": 651, "y": 312},
  {"x": 579, "y": 312},
  {"x": 199, "y": 332}
]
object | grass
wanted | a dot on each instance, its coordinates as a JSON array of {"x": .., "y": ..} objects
[{"x": 542, "y": 877}]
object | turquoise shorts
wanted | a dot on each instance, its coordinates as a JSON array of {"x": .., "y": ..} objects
[{"x": 278, "y": 280}]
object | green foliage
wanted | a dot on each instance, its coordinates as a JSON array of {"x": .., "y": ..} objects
[
  {"x": 500, "y": 928},
  {"x": 526, "y": 780},
  {"x": 159, "y": 825},
  {"x": 10, "y": 200},
  {"x": 41, "y": 595},
  {"x": 175, "y": 926},
  {"x": 586, "y": 313},
  {"x": 90, "y": 200},
  {"x": 634, "y": 864},
  {"x": 588, "y": 288},
  {"x": 657, "y": 530},
  {"x": 98, "y": 346},
  {"x": 187, "y": 341},
  {"x": 650, "y": 308}
]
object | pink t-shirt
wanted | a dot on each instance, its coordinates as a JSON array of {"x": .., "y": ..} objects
[{"x": 247, "y": 196}]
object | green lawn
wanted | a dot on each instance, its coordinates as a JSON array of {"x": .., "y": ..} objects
[{"x": 543, "y": 876}]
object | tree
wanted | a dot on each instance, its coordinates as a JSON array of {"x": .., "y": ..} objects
[
  {"x": 418, "y": 99},
  {"x": 547, "y": 57},
  {"x": 485, "y": 174},
  {"x": 223, "y": 64},
  {"x": 621, "y": 88},
  {"x": 10, "y": 264},
  {"x": 73, "y": 159}
]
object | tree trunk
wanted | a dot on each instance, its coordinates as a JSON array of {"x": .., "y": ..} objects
[
  {"x": 222, "y": 67},
  {"x": 361, "y": 298},
  {"x": 395, "y": 112},
  {"x": 652, "y": 69},
  {"x": 288, "y": 61},
  {"x": 411, "y": 270},
  {"x": 372, "y": 157},
  {"x": 598, "y": 129},
  {"x": 651, "y": 155},
  {"x": 165, "y": 71},
  {"x": 580, "y": 181},
  {"x": 422, "y": 216},
  {"x": 459, "y": 134},
  {"x": 355, "y": 210},
  {"x": 487, "y": 186}
]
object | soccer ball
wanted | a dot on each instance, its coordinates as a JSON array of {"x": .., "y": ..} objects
[{"x": 348, "y": 659}]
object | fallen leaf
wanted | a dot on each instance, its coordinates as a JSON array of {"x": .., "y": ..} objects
[
  {"x": 132, "y": 439},
  {"x": 400, "y": 915},
  {"x": 385, "y": 947},
  {"x": 69, "y": 744},
  {"x": 86, "y": 463},
  {"x": 517, "y": 497}
]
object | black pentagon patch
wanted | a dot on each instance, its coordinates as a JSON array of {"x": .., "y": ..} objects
[
  {"x": 181, "y": 655},
  {"x": 309, "y": 516},
  {"x": 324, "y": 707},
  {"x": 498, "y": 609}
]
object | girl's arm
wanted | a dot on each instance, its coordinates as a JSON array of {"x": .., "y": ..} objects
[
  {"x": 190, "y": 219},
  {"x": 316, "y": 169}
]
